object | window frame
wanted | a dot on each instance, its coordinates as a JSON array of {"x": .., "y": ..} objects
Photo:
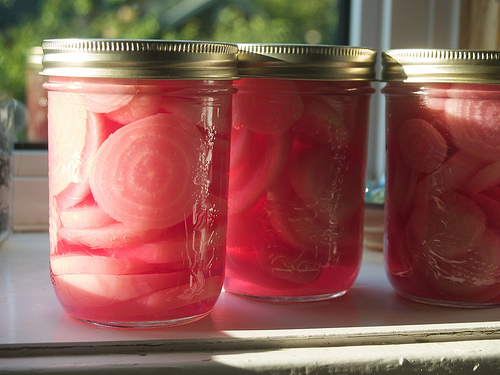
[
  {"x": 383, "y": 25},
  {"x": 378, "y": 24}
]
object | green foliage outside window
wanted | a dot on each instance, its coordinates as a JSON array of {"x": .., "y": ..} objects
[{"x": 25, "y": 23}]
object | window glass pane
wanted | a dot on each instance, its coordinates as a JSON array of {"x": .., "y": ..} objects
[{"x": 25, "y": 23}]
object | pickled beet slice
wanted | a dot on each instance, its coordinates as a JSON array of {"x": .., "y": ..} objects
[
  {"x": 169, "y": 251},
  {"x": 493, "y": 193},
  {"x": 325, "y": 182},
  {"x": 189, "y": 108},
  {"x": 471, "y": 275},
  {"x": 256, "y": 251},
  {"x": 74, "y": 137},
  {"x": 174, "y": 248},
  {"x": 474, "y": 126},
  {"x": 491, "y": 207},
  {"x": 111, "y": 236},
  {"x": 101, "y": 290},
  {"x": 206, "y": 291},
  {"x": 104, "y": 103},
  {"x": 85, "y": 215},
  {"x": 450, "y": 225},
  {"x": 104, "y": 97},
  {"x": 486, "y": 178},
  {"x": 322, "y": 122},
  {"x": 267, "y": 106},
  {"x": 422, "y": 146},
  {"x": 140, "y": 106},
  {"x": 144, "y": 173},
  {"x": 166, "y": 302},
  {"x": 67, "y": 132},
  {"x": 301, "y": 225},
  {"x": 93, "y": 264},
  {"x": 257, "y": 160},
  {"x": 455, "y": 172}
]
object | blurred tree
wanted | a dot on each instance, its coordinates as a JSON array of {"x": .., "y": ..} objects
[{"x": 25, "y": 23}]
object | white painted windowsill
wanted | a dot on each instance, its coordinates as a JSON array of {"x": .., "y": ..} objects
[{"x": 370, "y": 330}]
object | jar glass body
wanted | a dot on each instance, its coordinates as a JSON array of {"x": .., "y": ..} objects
[
  {"x": 442, "y": 209},
  {"x": 296, "y": 190},
  {"x": 36, "y": 98},
  {"x": 138, "y": 197},
  {"x": 7, "y": 109}
]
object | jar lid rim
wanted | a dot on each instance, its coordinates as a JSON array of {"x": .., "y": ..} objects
[
  {"x": 306, "y": 61},
  {"x": 139, "y": 58},
  {"x": 441, "y": 65}
]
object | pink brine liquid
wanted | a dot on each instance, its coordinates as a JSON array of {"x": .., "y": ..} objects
[
  {"x": 443, "y": 193},
  {"x": 138, "y": 199},
  {"x": 296, "y": 190}
]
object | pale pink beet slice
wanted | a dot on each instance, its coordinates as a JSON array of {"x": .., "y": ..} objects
[
  {"x": 455, "y": 172},
  {"x": 67, "y": 132},
  {"x": 140, "y": 106},
  {"x": 85, "y": 215},
  {"x": 326, "y": 183},
  {"x": 205, "y": 290},
  {"x": 176, "y": 247},
  {"x": 189, "y": 108},
  {"x": 256, "y": 250},
  {"x": 401, "y": 185},
  {"x": 470, "y": 276},
  {"x": 267, "y": 106},
  {"x": 474, "y": 125},
  {"x": 169, "y": 251},
  {"x": 94, "y": 264},
  {"x": 168, "y": 300},
  {"x": 453, "y": 222},
  {"x": 212, "y": 116},
  {"x": 295, "y": 223},
  {"x": 144, "y": 173},
  {"x": 257, "y": 160},
  {"x": 93, "y": 290},
  {"x": 105, "y": 96},
  {"x": 106, "y": 102},
  {"x": 486, "y": 178},
  {"x": 71, "y": 149},
  {"x": 491, "y": 207},
  {"x": 304, "y": 226},
  {"x": 322, "y": 122},
  {"x": 422, "y": 146},
  {"x": 110, "y": 236}
]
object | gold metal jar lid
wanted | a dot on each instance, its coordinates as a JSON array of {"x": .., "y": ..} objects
[
  {"x": 140, "y": 59},
  {"x": 305, "y": 61},
  {"x": 441, "y": 65}
]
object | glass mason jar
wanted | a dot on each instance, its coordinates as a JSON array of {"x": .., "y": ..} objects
[
  {"x": 36, "y": 97},
  {"x": 297, "y": 174},
  {"x": 7, "y": 109},
  {"x": 443, "y": 175},
  {"x": 139, "y": 136}
]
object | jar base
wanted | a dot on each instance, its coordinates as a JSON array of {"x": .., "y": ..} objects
[
  {"x": 447, "y": 303},
  {"x": 290, "y": 299},
  {"x": 146, "y": 324}
]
